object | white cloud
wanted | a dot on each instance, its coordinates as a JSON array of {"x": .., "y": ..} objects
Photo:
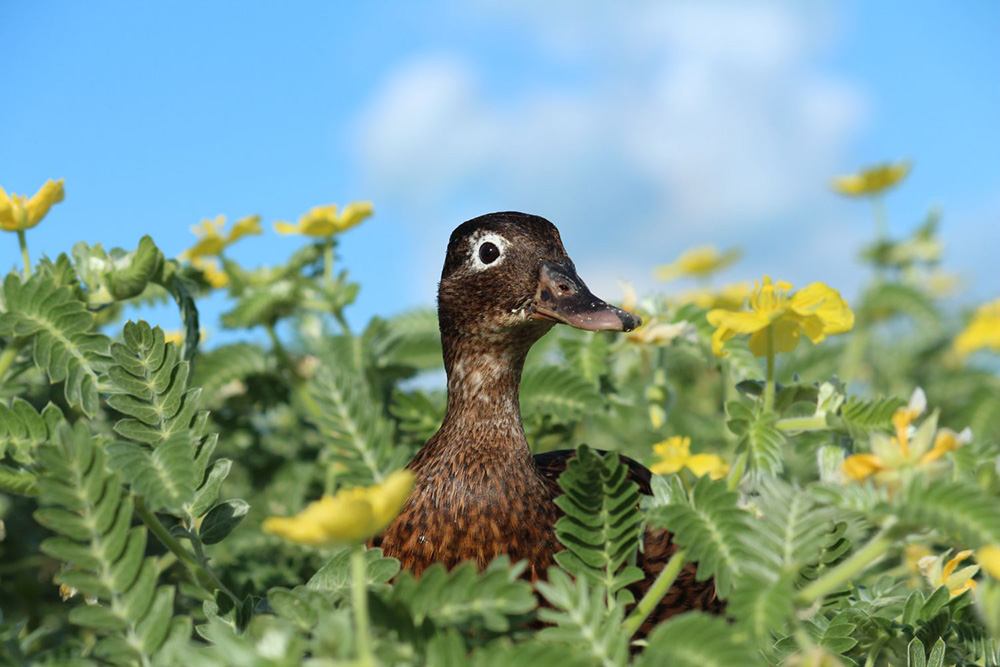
[{"x": 693, "y": 122}]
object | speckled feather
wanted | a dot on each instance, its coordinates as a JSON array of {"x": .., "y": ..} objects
[{"x": 479, "y": 492}]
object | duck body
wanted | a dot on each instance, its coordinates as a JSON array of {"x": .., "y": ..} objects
[{"x": 479, "y": 492}]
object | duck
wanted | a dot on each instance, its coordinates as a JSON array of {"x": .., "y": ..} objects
[{"x": 479, "y": 492}]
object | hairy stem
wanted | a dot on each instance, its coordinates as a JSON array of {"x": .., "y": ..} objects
[
  {"x": 769, "y": 386},
  {"x": 811, "y": 423},
  {"x": 202, "y": 574},
  {"x": 849, "y": 569},
  {"x": 655, "y": 593},
  {"x": 24, "y": 252},
  {"x": 9, "y": 355},
  {"x": 328, "y": 261},
  {"x": 359, "y": 605}
]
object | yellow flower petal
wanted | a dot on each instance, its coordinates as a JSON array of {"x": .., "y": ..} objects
[
  {"x": 983, "y": 331},
  {"x": 39, "y": 205},
  {"x": 249, "y": 226},
  {"x": 710, "y": 464},
  {"x": 860, "y": 466},
  {"x": 674, "y": 453},
  {"x": 212, "y": 242},
  {"x": 286, "y": 228},
  {"x": 354, "y": 213},
  {"x": 18, "y": 213},
  {"x": 989, "y": 558},
  {"x": 873, "y": 180},
  {"x": 701, "y": 261},
  {"x": 349, "y": 517},
  {"x": 324, "y": 221}
]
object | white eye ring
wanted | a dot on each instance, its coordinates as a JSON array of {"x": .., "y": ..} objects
[{"x": 475, "y": 262}]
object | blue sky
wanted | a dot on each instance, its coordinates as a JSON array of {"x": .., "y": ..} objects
[{"x": 638, "y": 131}]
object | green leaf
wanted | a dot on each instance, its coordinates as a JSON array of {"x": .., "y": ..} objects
[
  {"x": 131, "y": 272},
  {"x": 335, "y": 575},
  {"x": 222, "y": 519},
  {"x": 697, "y": 640},
  {"x": 83, "y": 503},
  {"x": 960, "y": 509},
  {"x": 358, "y": 437},
  {"x": 601, "y": 524},
  {"x": 152, "y": 630},
  {"x": 209, "y": 491},
  {"x": 61, "y": 330},
  {"x": 557, "y": 393},
  {"x": 164, "y": 476},
  {"x": 23, "y": 429},
  {"x": 581, "y": 618},
  {"x": 465, "y": 598},
  {"x": 870, "y": 414},
  {"x": 792, "y": 531},
  {"x": 152, "y": 386},
  {"x": 713, "y": 529}
]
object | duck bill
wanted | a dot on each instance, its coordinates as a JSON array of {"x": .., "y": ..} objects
[{"x": 562, "y": 297}]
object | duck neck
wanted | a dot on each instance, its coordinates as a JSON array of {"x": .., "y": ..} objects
[{"x": 483, "y": 415}]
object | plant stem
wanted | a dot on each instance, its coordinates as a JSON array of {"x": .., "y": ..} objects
[
  {"x": 736, "y": 475},
  {"x": 875, "y": 650},
  {"x": 849, "y": 569},
  {"x": 811, "y": 423},
  {"x": 769, "y": 386},
  {"x": 279, "y": 350},
  {"x": 9, "y": 355},
  {"x": 24, "y": 252},
  {"x": 328, "y": 261},
  {"x": 655, "y": 593},
  {"x": 202, "y": 574},
  {"x": 359, "y": 604}
]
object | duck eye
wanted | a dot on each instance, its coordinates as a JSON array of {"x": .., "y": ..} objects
[{"x": 489, "y": 252}]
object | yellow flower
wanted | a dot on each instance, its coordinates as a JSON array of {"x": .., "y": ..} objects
[
  {"x": 989, "y": 558},
  {"x": 209, "y": 268},
  {"x": 212, "y": 242},
  {"x": 657, "y": 333},
  {"x": 729, "y": 297},
  {"x": 816, "y": 310},
  {"x": 323, "y": 221},
  {"x": 873, "y": 180},
  {"x": 176, "y": 337},
  {"x": 675, "y": 454},
  {"x": 699, "y": 262},
  {"x": 349, "y": 517},
  {"x": 910, "y": 448},
  {"x": 983, "y": 331},
  {"x": 18, "y": 213},
  {"x": 941, "y": 573}
]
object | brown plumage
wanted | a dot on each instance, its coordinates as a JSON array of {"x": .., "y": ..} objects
[{"x": 479, "y": 492}]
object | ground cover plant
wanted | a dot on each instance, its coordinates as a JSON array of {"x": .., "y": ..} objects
[{"x": 163, "y": 503}]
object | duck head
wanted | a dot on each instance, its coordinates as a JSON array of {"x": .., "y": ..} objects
[{"x": 507, "y": 274}]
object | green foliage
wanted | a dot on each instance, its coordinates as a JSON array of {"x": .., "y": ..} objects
[
  {"x": 581, "y": 619},
  {"x": 697, "y": 640},
  {"x": 358, "y": 437},
  {"x": 464, "y": 598},
  {"x": 118, "y": 487},
  {"x": 23, "y": 429},
  {"x": 59, "y": 327},
  {"x": 714, "y": 530},
  {"x": 600, "y": 528},
  {"x": 557, "y": 393},
  {"x": 103, "y": 556}
]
